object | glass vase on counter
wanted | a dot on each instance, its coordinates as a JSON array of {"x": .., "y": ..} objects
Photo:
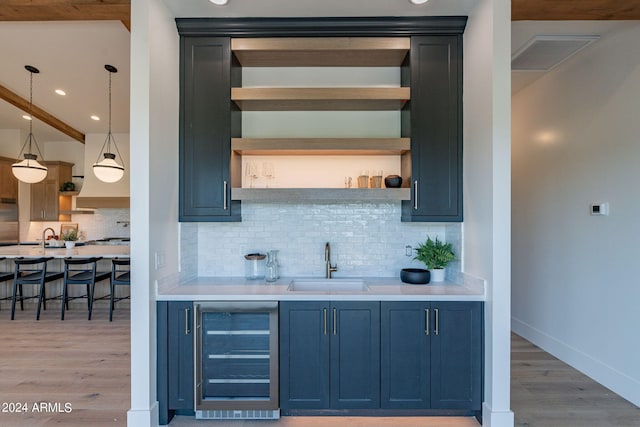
[{"x": 271, "y": 267}]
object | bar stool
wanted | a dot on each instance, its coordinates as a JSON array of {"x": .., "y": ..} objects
[
  {"x": 81, "y": 271},
  {"x": 4, "y": 277},
  {"x": 120, "y": 275},
  {"x": 32, "y": 271}
]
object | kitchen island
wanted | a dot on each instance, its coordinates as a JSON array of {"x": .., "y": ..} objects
[
  {"x": 106, "y": 252},
  {"x": 84, "y": 251}
]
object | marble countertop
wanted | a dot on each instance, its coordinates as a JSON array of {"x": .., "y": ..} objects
[
  {"x": 30, "y": 251},
  {"x": 380, "y": 289}
]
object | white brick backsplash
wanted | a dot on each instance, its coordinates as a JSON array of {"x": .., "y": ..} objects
[
  {"x": 102, "y": 223},
  {"x": 367, "y": 239}
]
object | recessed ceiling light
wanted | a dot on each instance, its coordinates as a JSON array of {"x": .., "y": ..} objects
[
  {"x": 61, "y": 92},
  {"x": 94, "y": 117},
  {"x": 26, "y": 117},
  {"x": 418, "y": 1},
  {"x": 219, "y": 2}
]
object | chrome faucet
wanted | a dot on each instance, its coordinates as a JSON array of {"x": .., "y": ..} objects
[
  {"x": 327, "y": 258},
  {"x": 44, "y": 232}
]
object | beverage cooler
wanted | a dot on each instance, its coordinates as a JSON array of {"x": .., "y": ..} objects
[{"x": 237, "y": 360}]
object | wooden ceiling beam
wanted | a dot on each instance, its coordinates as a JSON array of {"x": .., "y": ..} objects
[
  {"x": 40, "y": 114},
  {"x": 572, "y": 10},
  {"x": 67, "y": 10}
]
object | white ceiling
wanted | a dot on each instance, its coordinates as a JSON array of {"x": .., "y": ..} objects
[
  {"x": 70, "y": 56},
  {"x": 523, "y": 31}
]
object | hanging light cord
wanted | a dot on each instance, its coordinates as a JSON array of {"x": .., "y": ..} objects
[
  {"x": 31, "y": 137},
  {"x": 107, "y": 142}
]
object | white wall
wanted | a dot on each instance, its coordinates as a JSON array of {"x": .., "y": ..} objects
[
  {"x": 10, "y": 143},
  {"x": 576, "y": 142},
  {"x": 154, "y": 189},
  {"x": 486, "y": 190}
]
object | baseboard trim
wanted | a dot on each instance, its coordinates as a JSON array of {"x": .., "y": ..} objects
[
  {"x": 144, "y": 417},
  {"x": 616, "y": 381},
  {"x": 491, "y": 418}
]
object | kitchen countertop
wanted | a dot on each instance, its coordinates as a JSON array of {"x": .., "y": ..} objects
[
  {"x": 30, "y": 251},
  {"x": 380, "y": 289}
]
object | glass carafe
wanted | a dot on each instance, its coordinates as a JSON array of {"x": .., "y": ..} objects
[{"x": 271, "y": 268}]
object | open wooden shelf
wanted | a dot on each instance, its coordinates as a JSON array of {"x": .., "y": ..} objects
[
  {"x": 321, "y": 51},
  {"x": 320, "y": 99},
  {"x": 320, "y": 194},
  {"x": 321, "y": 146}
]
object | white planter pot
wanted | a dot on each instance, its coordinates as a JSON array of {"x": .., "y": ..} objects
[
  {"x": 70, "y": 244},
  {"x": 437, "y": 274}
]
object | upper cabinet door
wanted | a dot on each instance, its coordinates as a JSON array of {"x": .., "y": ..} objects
[
  {"x": 435, "y": 129},
  {"x": 206, "y": 127}
]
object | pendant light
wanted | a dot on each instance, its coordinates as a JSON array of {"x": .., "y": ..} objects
[
  {"x": 108, "y": 170},
  {"x": 29, "y": 170}
]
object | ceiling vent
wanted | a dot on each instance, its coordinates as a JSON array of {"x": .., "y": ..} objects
[{"x": 543, "y": 53}]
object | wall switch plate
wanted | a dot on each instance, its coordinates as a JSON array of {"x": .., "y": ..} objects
[
  {"x": 160, "y": 259},
  {"x": 600, "y": 209}
]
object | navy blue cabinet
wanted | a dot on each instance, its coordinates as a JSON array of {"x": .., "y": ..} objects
[
  {"x": 431, "y": 355},
  {"x": 175, "y": 359},
  {"x": 433, "y": 120},
  {"x": 456, "y": 355},
  {"x": 208, "y": 120},
  {"x": 406, "y": 355},
  {"x": 304, "y": 355},
  {"x": 329, "y": 355}
]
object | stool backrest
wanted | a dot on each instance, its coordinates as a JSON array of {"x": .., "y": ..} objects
[{"x": 120, "y": 269}]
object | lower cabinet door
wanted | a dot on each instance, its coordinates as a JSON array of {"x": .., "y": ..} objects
[
  {"x": 304, "y": 355},
  {"x": 181, "y": 348},
  {"x": 405, "y": 355},
  {"x": 329, "y": 355},
  {"x": 175, "y": 359},
  {"x": 355, "y": 355},
  {"x": 456, "y": 355}
]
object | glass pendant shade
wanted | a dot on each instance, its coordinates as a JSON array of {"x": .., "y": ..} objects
[
  {"x": 108, "y": 170},
  {"x": 29, "y": 170}
]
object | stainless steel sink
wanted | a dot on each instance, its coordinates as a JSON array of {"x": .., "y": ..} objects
[{"x": 328, "y": 285}]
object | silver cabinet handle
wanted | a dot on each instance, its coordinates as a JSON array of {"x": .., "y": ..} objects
[
  {"x": 415, "y": 194},
  {"x": 426, "y": 321},
  {"x": 324, "y": 310},
  {"x": 224, "y": 197},
  {"x": 437, "y": 315},
  {"x": 187, "y": 330},
  {"x": 335, "y": 322}
]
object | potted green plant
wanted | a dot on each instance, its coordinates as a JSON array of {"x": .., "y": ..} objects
[
  {"x": 70, "y": 237},
  {"x": 436, "y": 255}
]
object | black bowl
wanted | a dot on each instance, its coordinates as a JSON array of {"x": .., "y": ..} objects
[
  {"x": 415, "y": 276},
  {"x": 393, "y": 181}
]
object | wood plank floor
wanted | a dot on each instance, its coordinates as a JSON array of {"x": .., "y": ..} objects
[
  {"x": 546, "y": 392},
  {"x": 86, "y": 364},
  {"x": 81, "y": 363}
]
